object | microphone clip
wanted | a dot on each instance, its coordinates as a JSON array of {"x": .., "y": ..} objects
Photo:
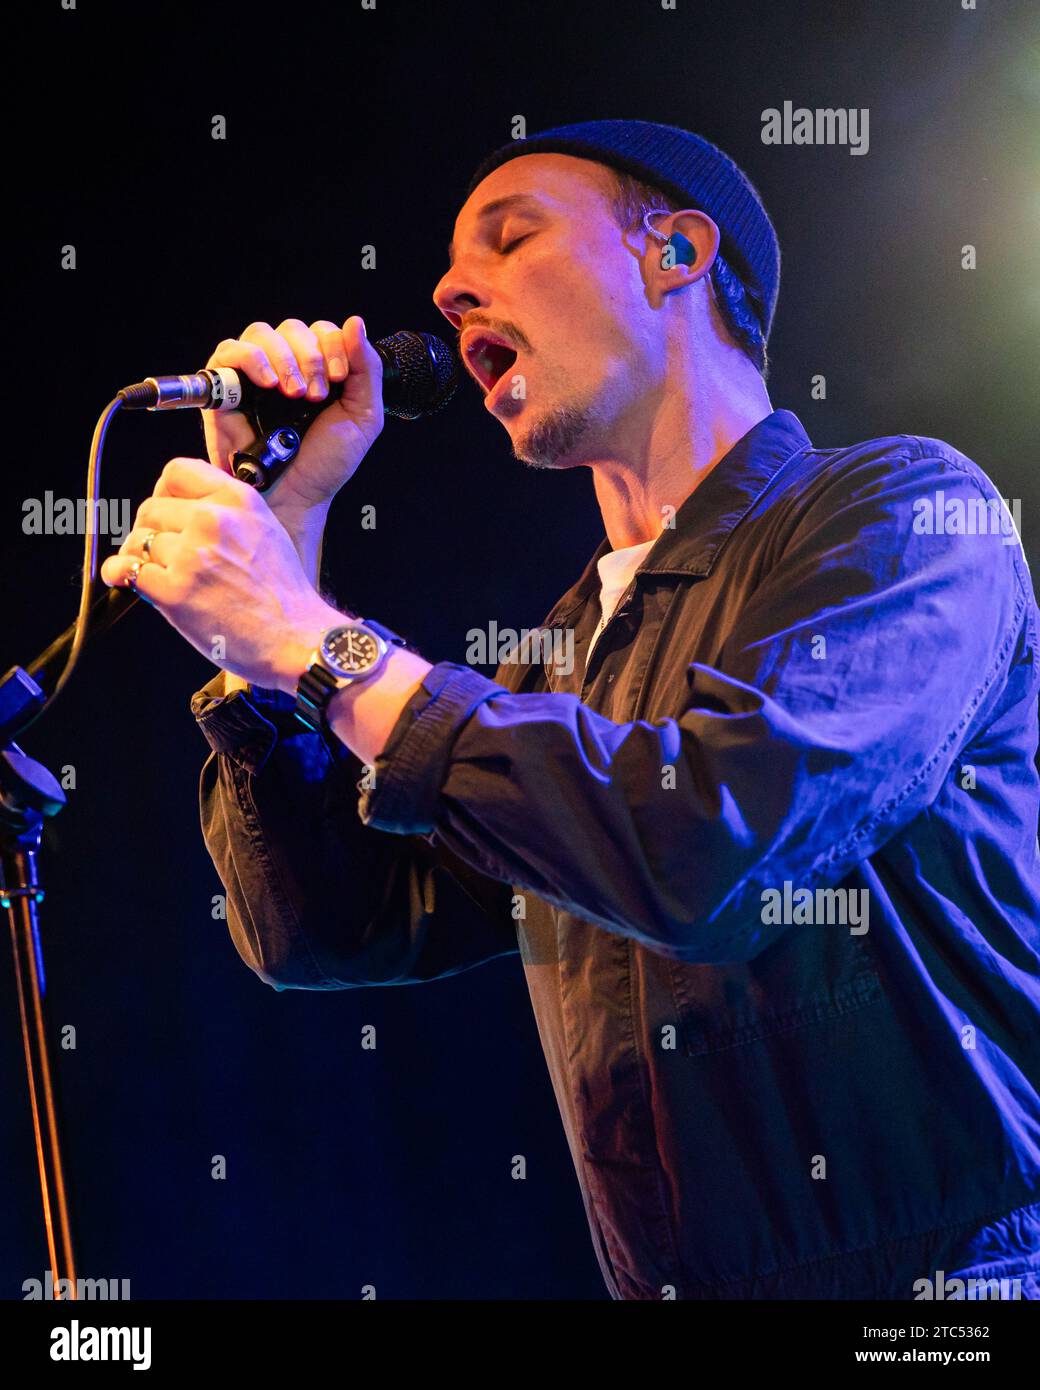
[{"x": 279, "y": 423}]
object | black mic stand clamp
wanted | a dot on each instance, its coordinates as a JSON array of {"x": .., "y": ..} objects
[
  {"x": 269, "y": 455},
  {"x": 29, "y": 793}
]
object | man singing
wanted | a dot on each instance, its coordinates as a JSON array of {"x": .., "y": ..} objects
[{"x": 767, "y": 846}]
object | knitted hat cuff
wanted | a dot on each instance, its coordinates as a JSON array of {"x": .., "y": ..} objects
[{"x": 687, "y": 169}]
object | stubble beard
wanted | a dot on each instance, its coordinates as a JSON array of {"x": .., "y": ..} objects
[{"x": 554, "y": 437}]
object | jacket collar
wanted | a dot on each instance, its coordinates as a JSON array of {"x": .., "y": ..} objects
[{"x": 714, "y": 509}]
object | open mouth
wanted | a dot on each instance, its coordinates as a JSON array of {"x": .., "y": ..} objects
[{"x": 488, "y": 358}]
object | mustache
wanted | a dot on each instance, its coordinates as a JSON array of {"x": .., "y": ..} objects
[{"x": 510, "y": 331}]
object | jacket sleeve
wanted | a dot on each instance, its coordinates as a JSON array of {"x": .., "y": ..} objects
[
  {"x": 316, "y": 899},
  {"x": 854, "y": 674}
]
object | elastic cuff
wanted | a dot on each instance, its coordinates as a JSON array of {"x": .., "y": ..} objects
[
  {"x": 411, "y": 769},
  {"x": 244, "y": 725}
]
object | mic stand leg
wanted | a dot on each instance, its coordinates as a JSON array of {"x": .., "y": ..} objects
[{"x": 28, "y": 792}]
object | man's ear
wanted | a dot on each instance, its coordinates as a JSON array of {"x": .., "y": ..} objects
[{"x": 687, "y": 253}]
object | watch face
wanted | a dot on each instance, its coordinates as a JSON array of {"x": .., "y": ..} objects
[{"x": 350, "y": 650}]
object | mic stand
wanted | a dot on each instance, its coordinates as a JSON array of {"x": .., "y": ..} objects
[{"x": 29, "y": 793}]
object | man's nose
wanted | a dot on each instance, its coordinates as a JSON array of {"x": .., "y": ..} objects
[{"x": 454, "y": 296}]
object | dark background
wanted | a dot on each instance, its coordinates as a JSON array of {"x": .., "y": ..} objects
[{"x": 348, "y": 127}]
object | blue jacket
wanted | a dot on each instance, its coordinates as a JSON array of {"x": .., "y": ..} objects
[{"x": 771, "y": 866}]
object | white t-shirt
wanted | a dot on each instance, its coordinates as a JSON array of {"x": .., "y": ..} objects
[{"x": 616, "y": 569}]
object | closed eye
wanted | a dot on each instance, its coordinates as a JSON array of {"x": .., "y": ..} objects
[{"x": 505, "y": 250}]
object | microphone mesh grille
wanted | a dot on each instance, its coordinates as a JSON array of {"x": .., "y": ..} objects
[{"x": 428, "y": 374}]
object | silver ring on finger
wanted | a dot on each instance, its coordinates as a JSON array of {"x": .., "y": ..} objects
[
  {"x": 134, "y": 572},
  {"x": 146, "y": 544}
]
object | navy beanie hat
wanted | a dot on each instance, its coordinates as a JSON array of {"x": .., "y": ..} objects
[{"x": 685, "y": 167}]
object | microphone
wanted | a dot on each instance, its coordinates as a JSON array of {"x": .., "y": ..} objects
[{"x": 420, "y": 374}]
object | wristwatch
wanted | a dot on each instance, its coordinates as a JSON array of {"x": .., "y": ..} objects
[{"x": 352, "y": 651}]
